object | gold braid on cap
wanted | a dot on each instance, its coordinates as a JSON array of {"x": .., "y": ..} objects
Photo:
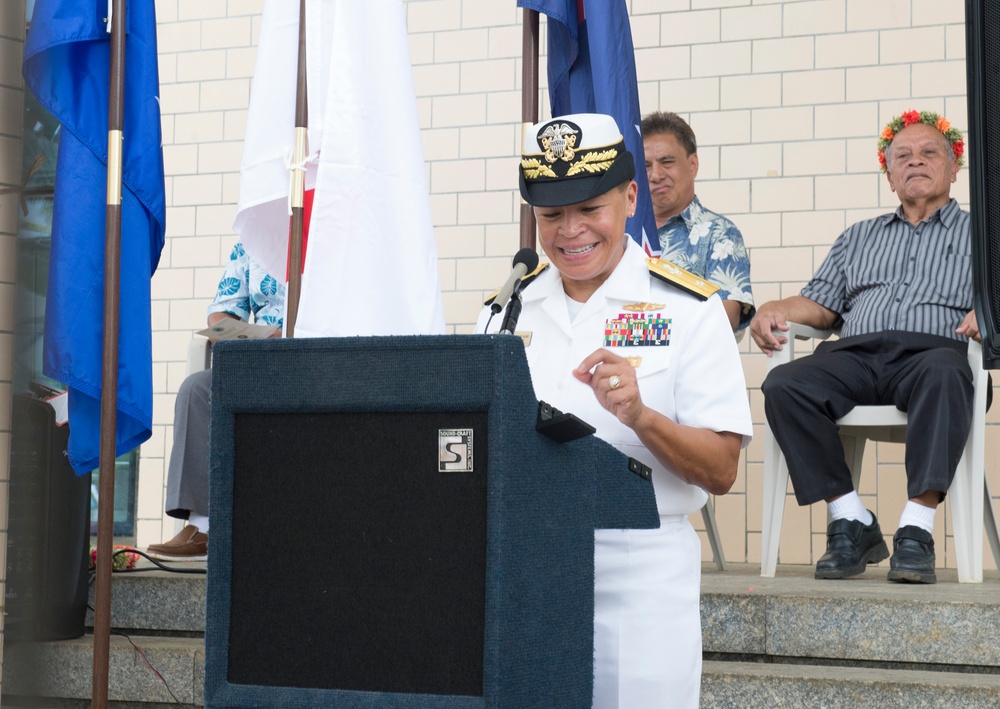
[
  {"x": 591, "y": 162},
  {"x": 534, "y": 168}
]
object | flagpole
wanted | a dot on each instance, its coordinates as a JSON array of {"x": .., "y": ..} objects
[
  {"x": 298, "y": 182},
  {"x": 109, "y": 372},
  {"x": 529, "y": 107}
]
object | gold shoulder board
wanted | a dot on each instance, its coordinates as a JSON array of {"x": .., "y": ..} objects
[
  {"x": 685, "y": 280},
  {"x": 524, "y": 282}
]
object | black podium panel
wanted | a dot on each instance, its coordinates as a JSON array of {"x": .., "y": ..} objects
[
  {"x": 368, "y": 551},
  {"x": 390, "y": 531},
  {"x": 48, "y": 530},
  {"x": 983, "y": 73}
]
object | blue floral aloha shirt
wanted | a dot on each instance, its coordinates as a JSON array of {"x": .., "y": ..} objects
[
  {"x": 247, "y": 288},
  {"x": 710, "y": 246}
]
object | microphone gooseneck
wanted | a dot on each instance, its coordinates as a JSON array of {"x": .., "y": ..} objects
[{"x": 525, "y": 261}]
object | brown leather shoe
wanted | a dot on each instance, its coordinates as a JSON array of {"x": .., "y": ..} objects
[{"x": 188, "y": 545}]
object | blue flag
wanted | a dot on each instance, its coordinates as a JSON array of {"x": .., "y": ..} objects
[
  {"x": 67, "y": 66},
  {"x": 592, "y": 70}
]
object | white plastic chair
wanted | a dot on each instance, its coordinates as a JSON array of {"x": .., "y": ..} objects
[
  {"x": 712, "y": 529},
  {"x": 199, "y": 355},
  {"x": 969, "y": 494}
]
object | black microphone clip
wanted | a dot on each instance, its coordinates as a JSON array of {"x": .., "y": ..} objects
[{"x": 512, "y": 313}]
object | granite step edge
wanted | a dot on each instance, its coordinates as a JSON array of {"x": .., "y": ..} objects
[
  {"x": 729, "y": 684},
  {"x": 63, "y": 669}
]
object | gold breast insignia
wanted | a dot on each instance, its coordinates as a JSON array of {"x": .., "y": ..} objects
[{"x": 643, "y": 307}]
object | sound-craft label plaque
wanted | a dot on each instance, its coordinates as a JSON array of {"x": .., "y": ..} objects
[{"x": 455, "y": 450}]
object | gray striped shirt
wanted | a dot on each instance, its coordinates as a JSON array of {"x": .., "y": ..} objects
[{"x": 886, "y": 274}]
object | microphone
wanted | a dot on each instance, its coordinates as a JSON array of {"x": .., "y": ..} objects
[
  {"x": 513, "y": 312},
  {"x": 525, "y": 261}
]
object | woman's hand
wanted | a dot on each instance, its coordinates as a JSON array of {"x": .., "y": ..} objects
[
  {"x": 698, "y": 456},
  {"x": 614, "y": 383}
]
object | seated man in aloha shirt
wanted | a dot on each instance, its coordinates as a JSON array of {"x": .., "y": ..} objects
[
  {"x": 692, "y": 237},
  {"x": 245, "y": 290}
]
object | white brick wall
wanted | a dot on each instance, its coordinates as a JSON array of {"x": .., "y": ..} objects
[{"x": 786, "y": 97}]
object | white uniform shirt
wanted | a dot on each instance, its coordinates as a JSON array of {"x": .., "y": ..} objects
[{"x": 695, "y": 378}]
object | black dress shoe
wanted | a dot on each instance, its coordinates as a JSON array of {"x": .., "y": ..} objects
[
  {"x": 850, "y": 547},
  {"x": 912, "y": 556}
]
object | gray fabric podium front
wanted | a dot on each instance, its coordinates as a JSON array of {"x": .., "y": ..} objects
[{"x": 390, "y": 530}]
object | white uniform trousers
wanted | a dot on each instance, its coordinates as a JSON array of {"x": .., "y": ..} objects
[{"x": 647, "y": 617}]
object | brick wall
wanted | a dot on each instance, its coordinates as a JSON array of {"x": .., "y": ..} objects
[{"x": 787, "y": 99}]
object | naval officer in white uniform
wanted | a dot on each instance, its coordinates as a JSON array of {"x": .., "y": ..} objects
[{"x": 644, "y": 352}]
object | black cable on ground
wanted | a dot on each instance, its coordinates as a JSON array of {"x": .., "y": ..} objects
[
  {"x": 159, "y": 566},
  {"x": 156, "y": 673}
]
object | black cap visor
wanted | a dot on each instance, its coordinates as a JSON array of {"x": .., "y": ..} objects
[{"x": 558, "y": 192}]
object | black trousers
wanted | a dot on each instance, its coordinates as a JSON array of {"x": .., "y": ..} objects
[{"x": 926, "y": 376}]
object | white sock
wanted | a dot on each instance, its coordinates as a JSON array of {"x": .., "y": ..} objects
[
  {"x": 917, "y": 515},
  {"x": 850, "y": 507},
  {"x": 199, "y": 521}
]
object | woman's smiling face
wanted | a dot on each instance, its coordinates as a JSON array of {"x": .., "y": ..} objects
[{"x": 585, "y": 241}]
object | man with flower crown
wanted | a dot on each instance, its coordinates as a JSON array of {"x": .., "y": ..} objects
[{"x": 899, "y": 288}]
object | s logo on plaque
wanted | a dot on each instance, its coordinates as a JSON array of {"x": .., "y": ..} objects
[{"x": 455, "y": 450}]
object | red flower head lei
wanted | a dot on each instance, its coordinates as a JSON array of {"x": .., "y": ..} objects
[{"x": 932, "y": 119}]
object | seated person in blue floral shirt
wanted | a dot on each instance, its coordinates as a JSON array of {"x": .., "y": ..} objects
[
  {"x": 694, "y": 238},
  {"x": 245, "y": 289}
]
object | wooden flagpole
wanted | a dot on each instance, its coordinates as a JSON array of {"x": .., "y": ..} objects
[
  {"x": 109, "y": 375},
  {"x": 529, "y": 107},
  {"x": 298, "y": 182}
]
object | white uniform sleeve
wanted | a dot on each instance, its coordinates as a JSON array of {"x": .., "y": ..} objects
[{"x": 710, "y": 391}]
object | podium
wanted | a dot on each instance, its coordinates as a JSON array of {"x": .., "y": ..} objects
[{"x": 390, "y": 530}]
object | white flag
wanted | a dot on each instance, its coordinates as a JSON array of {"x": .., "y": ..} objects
[{"x": 371, "y": 262}]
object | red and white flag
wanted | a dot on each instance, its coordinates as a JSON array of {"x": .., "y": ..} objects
[{"x": 371, "y": 263}]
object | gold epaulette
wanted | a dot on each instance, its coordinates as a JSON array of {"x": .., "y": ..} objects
[
  {"x": 685, "y": 280},
  {"x": 524, "y": 282}
]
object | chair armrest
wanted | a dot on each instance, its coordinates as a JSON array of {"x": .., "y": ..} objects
[
  {"x": 199, "y": 354},
  {"x": 796, "y": 331},
  {"x": 980, "y": 376},
  {"x": 804, "y": 332}
]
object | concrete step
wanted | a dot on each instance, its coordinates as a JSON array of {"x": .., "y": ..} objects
[
  {"x": 157, "y": 600},
  {"x": 794, "y": 641},
  {"x": 789, "y": 641},
  {"x": 164, "y": 615},
  {"x": 865, "y": 619},
  {"x": 726, "y": 685},
  {"x": 791, "y": 615},
  {"x": 64, "y": 670}
]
